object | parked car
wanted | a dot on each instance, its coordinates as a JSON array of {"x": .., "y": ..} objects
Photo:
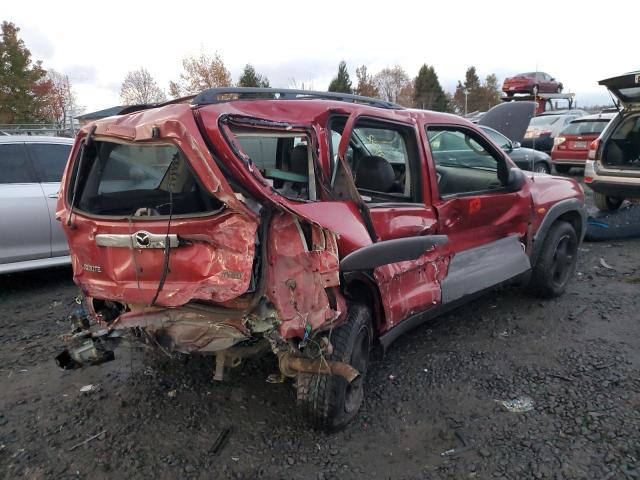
[
  {"x": 570, "y": 148},
  {"x": 525, "y": 158},
  {"x": 30, "y": 172},
  {"x": 531, "y": 83},
  {"x": 543, "y": 129},
  {"x": 612, "y": 169},
  {"x": 353, "y": 227}
]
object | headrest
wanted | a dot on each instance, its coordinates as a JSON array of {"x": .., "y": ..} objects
[{"x": 374, "y": 173}]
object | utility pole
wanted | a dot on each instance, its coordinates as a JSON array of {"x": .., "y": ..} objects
[{"x": 466, "y": 94}]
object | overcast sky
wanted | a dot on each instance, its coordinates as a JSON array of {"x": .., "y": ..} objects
[{"x": 97, "y": 43}]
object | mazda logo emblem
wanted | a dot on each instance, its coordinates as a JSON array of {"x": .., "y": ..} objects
[{"x": 142, "y": 239}]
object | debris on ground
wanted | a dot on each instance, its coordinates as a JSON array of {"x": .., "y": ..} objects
[
  {"x": 604, "y": 264},
  {"x": 517, "y": 405}
]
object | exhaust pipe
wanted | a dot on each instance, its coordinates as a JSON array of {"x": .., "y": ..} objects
[{"x": 290, "y": 365}]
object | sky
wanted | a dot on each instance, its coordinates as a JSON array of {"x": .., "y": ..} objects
[{"x": 303, "y": 42}]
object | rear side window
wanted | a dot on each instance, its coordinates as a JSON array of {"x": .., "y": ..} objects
[
  {"x": 14, "y": 166},
  {"x": 585, "y": 128},
  {"x": 49, "y": 160},
  {"x": 139, "y": 180}
]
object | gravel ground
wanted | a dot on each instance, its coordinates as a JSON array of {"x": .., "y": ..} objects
[{"x": 431, "y": 409}]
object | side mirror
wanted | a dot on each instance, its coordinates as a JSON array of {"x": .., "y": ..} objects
[
  {"x": 515, "y": 145},
  {"x": 516, "y": 180}
]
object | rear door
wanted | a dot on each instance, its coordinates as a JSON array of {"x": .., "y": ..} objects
[
  {"x": 49, "y": 160},
  {"x": 24, "y": 217}
]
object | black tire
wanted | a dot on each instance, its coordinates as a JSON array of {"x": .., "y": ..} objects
[
  {"x": 541, "y": 167},
  {"x": 556, "y": 262},
  {"x": 329, "y": 402},
  {"x": 605, "y": 203},
  {"x": 562, "y": 168},
  {"x": 559, "y": 89}
]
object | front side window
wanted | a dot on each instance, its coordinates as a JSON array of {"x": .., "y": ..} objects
[
  {"x": 14, "y": 166},
  {"x": 138, "y": 180},
  {"x": 464, "y": 162},
  {"x": 49, "y": 160},
  {"x": 383, "y": 160}
]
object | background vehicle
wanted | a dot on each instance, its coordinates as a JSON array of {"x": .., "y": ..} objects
[
  {"x": 315, "y": 254},
  {"x": 525, "y": 158},
  {"x": 531, "y": 82},
  {"x": 544, "y": 128},
  {"x": 612, "y": 170},
  {"x": 30, "y": 172},
  {"x": 570, "y": 148}
]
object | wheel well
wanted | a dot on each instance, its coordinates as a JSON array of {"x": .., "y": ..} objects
[
  {"x": 574, "y": 219},
  {"x": 362, "y": 290}
]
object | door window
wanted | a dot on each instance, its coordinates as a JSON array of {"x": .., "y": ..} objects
[
  {"x": 14, "y": 166},
  {"x": 49, "y": 160},
  {"x": 465, "y": 163},
  {"x": 383, "y": 159}
]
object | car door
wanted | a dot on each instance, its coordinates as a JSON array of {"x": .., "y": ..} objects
[
  {"x": 386, "y": 161},
  {"x": 486, "y": 223},
  {"x": 24, "y": 217},
  {"x": 49, "y": 160}
]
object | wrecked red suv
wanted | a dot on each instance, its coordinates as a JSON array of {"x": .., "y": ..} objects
[{"x": 312, "y": 225}]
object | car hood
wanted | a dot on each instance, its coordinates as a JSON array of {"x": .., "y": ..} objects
[
  {"x": 626, "y": 88},
  {"x": 510, "y": 119}
]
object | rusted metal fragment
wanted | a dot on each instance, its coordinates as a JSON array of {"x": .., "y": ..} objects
[
  {"x": 298, "y": 275},
  {"x": 291, "y": 365}
]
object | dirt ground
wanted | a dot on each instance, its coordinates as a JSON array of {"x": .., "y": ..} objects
[{"x": 431, "y": 408}]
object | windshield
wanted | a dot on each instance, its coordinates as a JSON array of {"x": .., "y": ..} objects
[
  {"x": 544, "y": 121},
  {"x": 585, "y": 127},
  {"x": 139, "y": 180}
]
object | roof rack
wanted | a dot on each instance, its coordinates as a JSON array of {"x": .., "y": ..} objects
[{"x": 226, "y": 94}]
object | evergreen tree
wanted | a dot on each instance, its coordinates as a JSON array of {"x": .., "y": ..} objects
[
  {"x": 250, "y": 78},
  {"x": 23, "y": 87},
  {"x": 342, "y": 82},
  {"x": 427, "y": 91}
]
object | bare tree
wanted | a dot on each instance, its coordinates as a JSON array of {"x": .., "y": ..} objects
[
  {"x": 139, "y": 88},
  {"x": 200, "y": 73},
  {"x": 391, "y": 82},
  {"x": 59, "y": 104},
  {"x": 366, "y": 83}
]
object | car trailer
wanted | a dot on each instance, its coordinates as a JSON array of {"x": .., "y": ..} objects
[{"x": 544, "y": 100}]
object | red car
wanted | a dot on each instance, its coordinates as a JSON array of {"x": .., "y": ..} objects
[
  {"x": 310, "y": 225},
  {"x": 571, "y": 147},
  {"x": 531, "y": 83}
]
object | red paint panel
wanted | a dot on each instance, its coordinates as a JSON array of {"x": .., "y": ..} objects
[{"x": 298, "y": 277}]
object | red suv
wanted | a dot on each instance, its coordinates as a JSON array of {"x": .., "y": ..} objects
[
  {"x": 531, "y": 83},
  {"x": 307, "y": 224},
  {"x": 571, "y": 147}
]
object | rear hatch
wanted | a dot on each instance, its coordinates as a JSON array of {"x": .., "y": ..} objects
[
  {"x": 154, "y": 221},
  {"x": 626, "y": 88}
]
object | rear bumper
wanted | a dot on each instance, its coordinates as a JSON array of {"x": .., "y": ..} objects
[
  {"x": 611, "y": 185},
  {"x": 576, "y": 162},
  {"x": 544, "y": 144}
]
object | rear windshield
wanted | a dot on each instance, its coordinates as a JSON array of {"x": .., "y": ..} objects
[
  {"x": 585, "y": 127},
  {"x": 138, "y": 180},
  {"x": 544, "y": 120}
]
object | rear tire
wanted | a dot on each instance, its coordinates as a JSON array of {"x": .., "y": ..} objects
[
  {"x": 329, "y": 402},
  {"x": 559, "y": 89},
  {"x": 563, "y": 168},
  {"x": 605, "y": 203},
  {"x": 556, "y": 262}
]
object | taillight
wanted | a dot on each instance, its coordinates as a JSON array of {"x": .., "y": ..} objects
[
  {"x": 588, "y": 179},
  {"x": 593, "y": 148},
  {"x": 558, "y": 141}
]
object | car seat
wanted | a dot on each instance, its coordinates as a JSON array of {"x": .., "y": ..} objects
[{"x": 374, "y": 173}]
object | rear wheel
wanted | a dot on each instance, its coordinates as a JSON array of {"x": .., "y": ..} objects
[
  {"x": 329, "y": 402},
  {"x": 563, "y": 168},
  {"x": 556, "y": 262},
  {"x": 541, "y": 167},
  {"x": 605, "y": 203},
  {"x": 559, "y": 89}
]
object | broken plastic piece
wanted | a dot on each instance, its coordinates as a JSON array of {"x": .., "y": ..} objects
[{"x": 517, "y": 405}]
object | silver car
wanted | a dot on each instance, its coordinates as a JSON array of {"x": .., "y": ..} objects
[{"x": 30, "y": 172}]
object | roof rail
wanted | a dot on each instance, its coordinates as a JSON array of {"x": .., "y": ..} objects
[{"x": 226, "y": 94}]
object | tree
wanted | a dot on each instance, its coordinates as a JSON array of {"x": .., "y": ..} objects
[
  {"x": 390, "y": 82},
  {"x": 366, "y": 85},
  {"x": 23, "y": 86},
  {"x": 479, "y": 97},
  {"x": 139, "y": 88},
  {"x": 341, "y": 82},
  {"x": 59, "y": 105},
  {"x": 428, "y": 93},
  {"x": 200, "y": 73},
  {"x": 250, "y": 78}
]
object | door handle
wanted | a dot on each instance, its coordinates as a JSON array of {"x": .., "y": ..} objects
[{"x": 53, "y": 195}]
